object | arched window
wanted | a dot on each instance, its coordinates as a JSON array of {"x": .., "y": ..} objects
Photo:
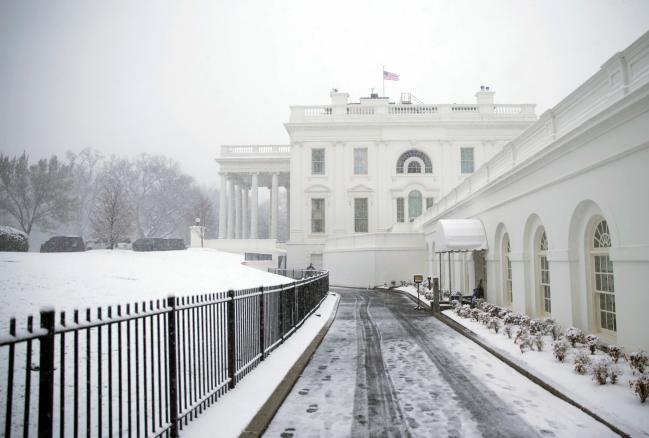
[
  {"x": 507, "y": 269},
  {"x": 413, "y": 153},
  {"x": 414, "y": 204},
  {"x": 543, "y": 271},
  {"x": 414, "y": 167},
  {"x": 603, "y": 281}
]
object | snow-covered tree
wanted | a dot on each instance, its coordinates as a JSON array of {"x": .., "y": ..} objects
[
  {"x": 84, "y": 167},
  {"x": 112, "y": 215},
  {"x": 37, "y": 194}
]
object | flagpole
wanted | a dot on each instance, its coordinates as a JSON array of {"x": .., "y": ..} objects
[{"x": 383, "y": 76}]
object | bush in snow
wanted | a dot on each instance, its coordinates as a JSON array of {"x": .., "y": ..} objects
[
  {"x": 551, "y": 328},
  {"x": 465, "y": 311},
  {"x": 614, "y": 373},
  {"x": 640, "y": 386},
  {"x": 508, "y": 330},
  {"x": 502, "y": 313},
  {"x": 581, "y": 362},
  {"x": 615, "y": 351},
  {"x": 600, "y": 370},
  {"x": 574, "y": 336},
  {"x": 13, "y": 240},
  {"x": 536, "y": 326},
  {"x": 591, "y": 342},
  {"x": 523, "y": 333},
  {"x": 493, "y": 324},
  {"x": 538, "y": 341},
  {"x": 638, "y": 360},
  {"x": 527, "y": 342},
  {"x": 560, "y": 349},
  {"x": 515, "y": 318},
  {"x": 475, "y": 314}
]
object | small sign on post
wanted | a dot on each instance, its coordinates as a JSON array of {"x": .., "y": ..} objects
[{"x": 418, "y": 279}]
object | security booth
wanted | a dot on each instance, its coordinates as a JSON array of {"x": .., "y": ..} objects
[{"x": 453, "y": 236}]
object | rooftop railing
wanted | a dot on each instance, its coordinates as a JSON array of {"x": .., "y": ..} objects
[{"x": 244, "y": 150}]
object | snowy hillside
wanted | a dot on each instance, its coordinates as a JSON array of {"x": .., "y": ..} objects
[{"x": 69, "y": 281}]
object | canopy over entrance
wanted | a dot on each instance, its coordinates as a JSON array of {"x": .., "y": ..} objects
[{"x": 458, "y": 235}]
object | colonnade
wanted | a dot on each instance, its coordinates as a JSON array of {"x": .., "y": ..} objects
[{"x": 239, "y": 205}]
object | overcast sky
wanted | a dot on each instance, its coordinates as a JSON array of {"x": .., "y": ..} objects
[{"x": 183, "y": 77}]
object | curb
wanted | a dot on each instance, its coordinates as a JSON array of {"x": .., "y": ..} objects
[
  {"x": 472, "y": 336},
  {"x": 264, "y": 416}
]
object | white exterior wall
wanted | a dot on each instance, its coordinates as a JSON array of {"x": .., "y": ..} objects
[{"x": 587, "y": 158}]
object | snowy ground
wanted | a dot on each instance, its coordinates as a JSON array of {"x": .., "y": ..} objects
[
  {"x": 385, "y": 369},
  {"x": 232, "y": 413},
  {"x": 68, "y": 281},
  {"x": 615, "y": 403}
]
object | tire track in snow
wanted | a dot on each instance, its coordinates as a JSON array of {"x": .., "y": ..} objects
[{"x": 376, "y": 409}]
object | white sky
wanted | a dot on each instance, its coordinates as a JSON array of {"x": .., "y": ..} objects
[{"x": 183, "y": 77}]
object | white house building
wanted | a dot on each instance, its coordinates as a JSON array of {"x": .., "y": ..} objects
[{"x": 551, "y": 213}]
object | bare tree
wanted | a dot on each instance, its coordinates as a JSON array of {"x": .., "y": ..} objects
[
  {"x": 112, "y": 216},
  {"x": 161, "y": 195},
  {"x": 84, "y": 169},
  {"x": 37, "y": 194}
]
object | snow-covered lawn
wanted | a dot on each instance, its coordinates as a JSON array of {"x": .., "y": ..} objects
[
  {"x": 67, "y": 281},
  {"x": 232, "y": 413},
  {"x": 613, "y": 402}
]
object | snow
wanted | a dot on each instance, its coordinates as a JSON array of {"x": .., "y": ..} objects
[
  {"x": 4, "y": 229},
  {"x": 69, "y": 281},
  {"x": 460, "y": 235},
  {"x": 616, "y": 403},
  {"x": 234, "y": 411}
]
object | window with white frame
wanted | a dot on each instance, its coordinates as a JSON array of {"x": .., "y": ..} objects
[
  {"x": 544, "y": 272},
  {"x": 603, "y": 281},
  {"x": 466, "y": 160},
  {"x": 360, "y": 215},
  {"x": 403, "y": 163},
  {"x": 507, "y": 269},
  {"x": 414, "y": 204},
  {"x": 317, "y": 161},
  {"x": 401, "y": 216},
  {"x": 429, "y": 202},
  {"x": 360, "y": 161},
  {"x": 414, "y": 167},
  {"x": 317, "y": 215}
]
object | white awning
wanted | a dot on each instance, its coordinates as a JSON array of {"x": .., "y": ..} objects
[{"x": 459, "y": 235}]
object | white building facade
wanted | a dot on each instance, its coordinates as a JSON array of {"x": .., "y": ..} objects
[{"x": 563, "y": 199}]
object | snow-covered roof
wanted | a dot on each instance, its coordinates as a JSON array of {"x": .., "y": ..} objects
[{"x": 460, "y": 235}]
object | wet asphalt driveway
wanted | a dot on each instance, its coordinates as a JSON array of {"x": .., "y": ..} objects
[{"x": 385, "y": 369}]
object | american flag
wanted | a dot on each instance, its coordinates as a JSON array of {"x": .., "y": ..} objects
[{"x": 388, "y": 76}]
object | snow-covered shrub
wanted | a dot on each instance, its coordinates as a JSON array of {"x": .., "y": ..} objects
[
  {"x": 600, "y": 370},
  {"x": 614, "y": 373},
  {"x": 536, "y": 326},
  {"x": 638, "y": 361},
  {"x": 475, "y": 314},
  {"x": 538, "y": 341},
  {"x": 514, "y": 318},
  {"x": 527, "y": 342},
  {"x": 581, "y": 362},
  {"x": 523, "y": 333},
  {"x": 591, "y": 342},
  {"x": 478, "y": 302},
  {"x": 551, "y": 328},
  {"x": 502, "y": 313},
  {"x": 560, "y": 349},
  {"x": 493, "y": 324},
  {"x": 574, "y": 336},
  {"x": 465, "y": 311},
  {"x": 640, "y": 386},
  {"x": 508, "y": 330},
  {"x": 13, "y": 240},
  {"x": 615, "y": 351}
]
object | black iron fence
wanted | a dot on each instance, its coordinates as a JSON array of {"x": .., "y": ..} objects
[{"x": 145, "y": 369}]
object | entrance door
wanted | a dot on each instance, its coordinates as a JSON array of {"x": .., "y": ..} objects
[{"x": 480, "y": 267}]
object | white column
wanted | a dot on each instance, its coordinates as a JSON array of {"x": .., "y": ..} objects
[
  {"x": 273, "y": 208},
  {"x": 223, "y": 226},
  {"x": 230, "y": 230},
  {"x": 288, "y": 211},
  {"x": 237, "y": 211},
  {"x": 254, "y": 206},
  {"x": 244, "y": 212}
]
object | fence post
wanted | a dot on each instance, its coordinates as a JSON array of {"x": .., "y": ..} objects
[
  {"x": 232, "y": 361},
  {"x": 46, "y": 375},
  {"x": 172, "y": 339},
  {"x": 262, "y": 323}
]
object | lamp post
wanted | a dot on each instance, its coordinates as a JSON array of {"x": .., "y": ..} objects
[{"x": 200, "y": 230}]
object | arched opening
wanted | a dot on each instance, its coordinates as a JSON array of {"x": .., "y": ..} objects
[
  {"x": 411, "y": 156},
  {"x": 507, "y": 270},
  {"x": 543, "y": 271},
  {"x": 603, "y": 281},
  {"x": 414, "y": 204}
]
